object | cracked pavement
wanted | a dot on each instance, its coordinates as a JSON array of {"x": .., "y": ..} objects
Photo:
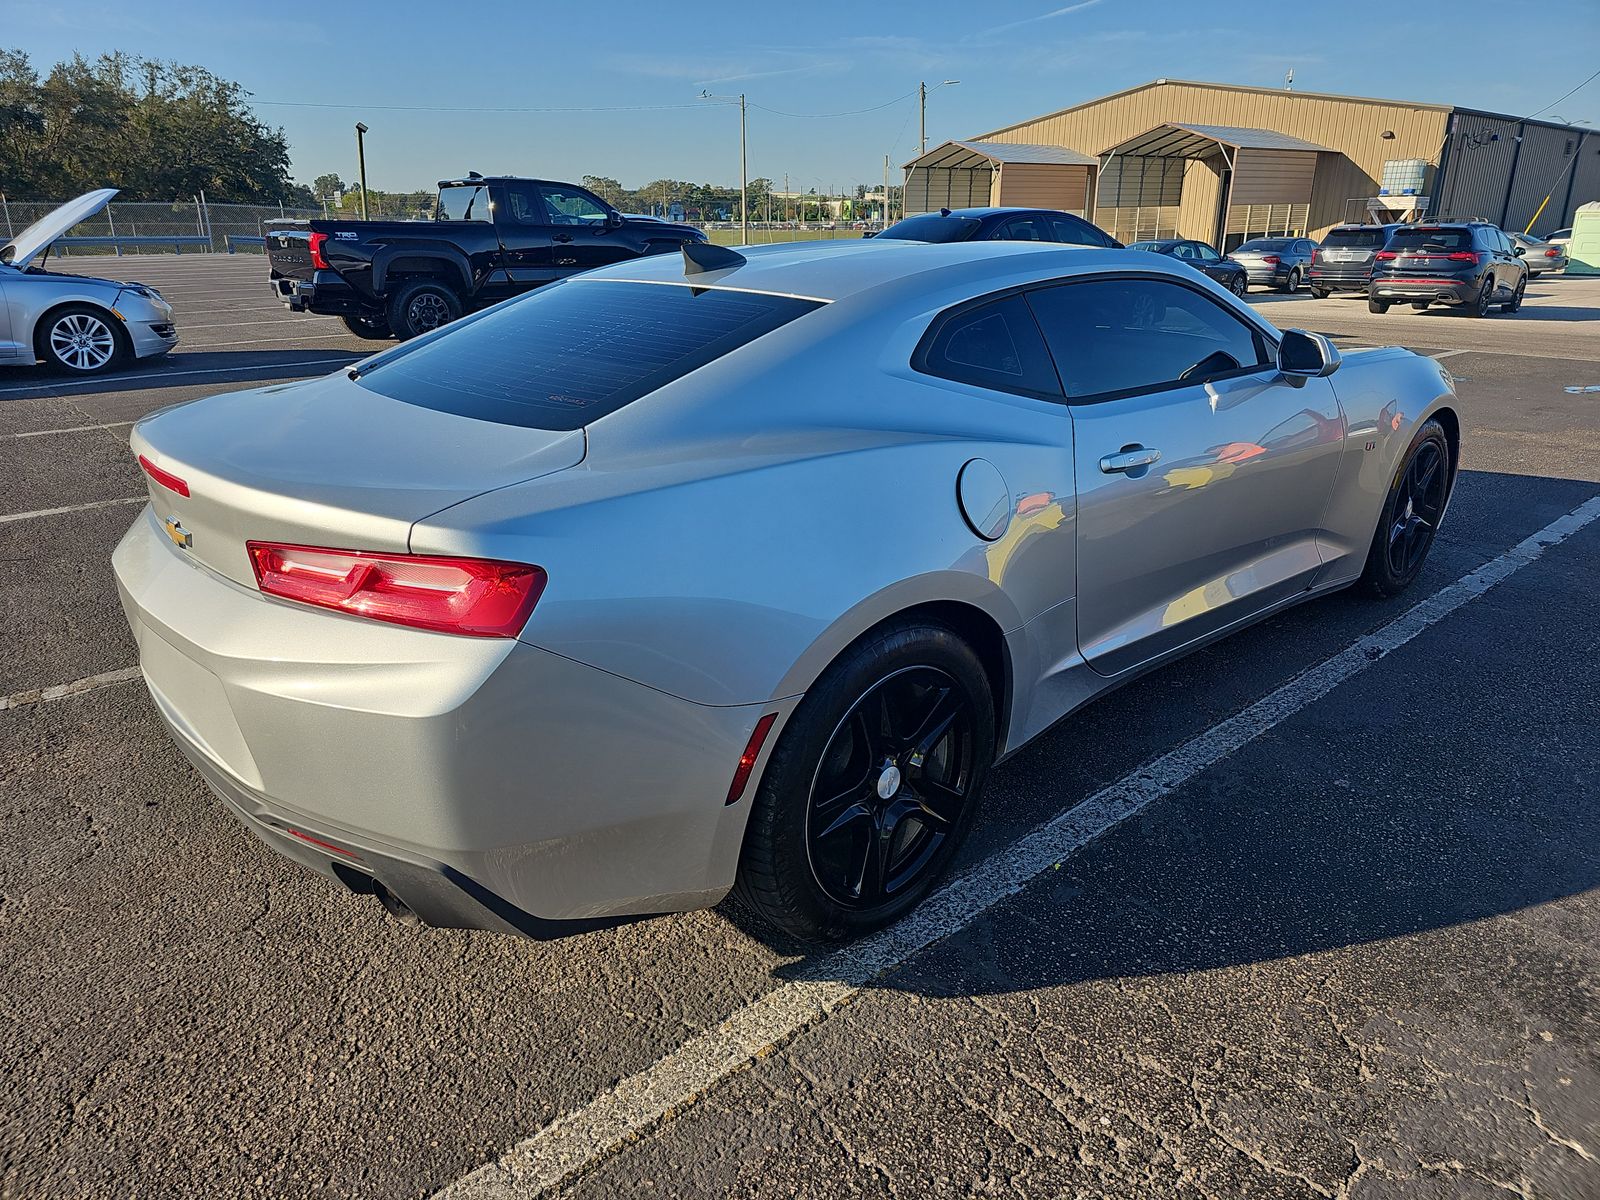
[{"x": 1359, "y": 958}]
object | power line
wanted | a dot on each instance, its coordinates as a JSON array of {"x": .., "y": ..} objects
[
  {"x": 443, "y": 109},
  {"x": 1559, "y": 99},
  {"x": 854, "y": 112}
]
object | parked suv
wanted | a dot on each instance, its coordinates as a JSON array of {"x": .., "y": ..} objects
[
  {"x": 1468, "y": 264},
  {"x": 1343, "y": 262},
  {"x": 998, "y": 225}
]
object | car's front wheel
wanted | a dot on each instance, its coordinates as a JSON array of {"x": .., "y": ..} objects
[
  {"x": 872, "y": 786},
  {"x": 80, "y": 340},
  {"x": 422, "y": 306},
  {"x": 1411, "y": 512}
]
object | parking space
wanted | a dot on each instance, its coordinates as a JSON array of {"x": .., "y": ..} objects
[{"x": 1344, "y": 945}]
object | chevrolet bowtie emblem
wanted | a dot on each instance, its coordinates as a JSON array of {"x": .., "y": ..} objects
[{"x": 180, "y": 536}]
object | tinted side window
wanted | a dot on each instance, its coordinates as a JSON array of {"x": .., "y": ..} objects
[
  {"x": 1078, "y": 233},
  {"x": 1205, "y": 253},
  {"x": 1120, "y": 336},
  {"x": 569, "y": 206},
  {"x": 1025, "y": 229},
  {"x": 468, "y": 202},
  {"x": 522, "y": 203},
  {"x": 995, "y": 345}
]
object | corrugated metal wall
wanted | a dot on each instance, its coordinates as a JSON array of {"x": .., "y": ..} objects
[
  {"x": 1272, "y": 176},
  {"x": 928, "y": 189},
  {"x": 1585, "y": 184},
  {"x": 1043, "y": 185},
  {"x": 1505, "y": 181},
  {"x": 1353, "y": 127}
]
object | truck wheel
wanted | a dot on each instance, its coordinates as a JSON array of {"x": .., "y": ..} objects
[
  {"x": 422, "y": 306},
  {"x": 374, "y": 327}
]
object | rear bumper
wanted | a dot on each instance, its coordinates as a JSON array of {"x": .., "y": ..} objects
[
  {"x": 1439, "y": 290},
  {"x": 325, "y": 293},
  {"x": 485, "y": 783},
  {"x": 1267, "y": 275},
  {"x": 1339, "y": 279}
]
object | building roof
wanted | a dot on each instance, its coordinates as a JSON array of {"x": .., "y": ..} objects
[
  {"x": 973, "y": 154},
  {"x": 1270, "y": 91},
  {"x": 1182, "y": 140}
]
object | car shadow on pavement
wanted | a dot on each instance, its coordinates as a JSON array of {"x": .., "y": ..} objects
[
  {"x": 196, "y": 369},
  {"x": 1447, "y": 784}
]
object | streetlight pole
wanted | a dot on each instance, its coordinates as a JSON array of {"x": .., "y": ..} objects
[
  {"x": 922, "y": 109},
  {"x": 361, "y": 159}
]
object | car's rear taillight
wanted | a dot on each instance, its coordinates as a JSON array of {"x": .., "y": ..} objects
[
  {"x": 1269, "y": 258},
  {"x": 165, "y": 478},
  {"x": 1316, "y": 255},
  {"x": 1552, "y": 253},
  {"x": 476, "y": 597},
  {"x": 1385, "y": 255},
  {"x": 317, "y": 261},
  {"x": 1464, "y": 256}
]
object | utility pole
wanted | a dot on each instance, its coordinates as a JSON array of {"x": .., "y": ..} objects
[
  {"x": 922, "y": 109},
  {"x": 361, "y": 160},
  {"x": 744, "y": 181},
  {"x": 886, "y": 191}
]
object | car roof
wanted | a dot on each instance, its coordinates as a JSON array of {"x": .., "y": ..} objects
[
  {"x": 833, "y": 270},
  {"x": 991, "y": 211}
]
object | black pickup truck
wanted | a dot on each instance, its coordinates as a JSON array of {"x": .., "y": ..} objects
[{"x": 490, "y": 238}]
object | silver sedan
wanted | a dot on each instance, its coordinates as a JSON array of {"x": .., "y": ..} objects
[
  {"x": 730, "y": 570},
  {"x": 76, "y": 323}
]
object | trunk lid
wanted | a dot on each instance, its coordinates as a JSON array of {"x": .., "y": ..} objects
[{"x": 326, "y": 462}]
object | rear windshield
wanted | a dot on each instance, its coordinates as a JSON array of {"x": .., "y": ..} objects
[
  {"x": 467, "y": 202},
  {"x": 932, "y": 228},
  {"x": 570, "y": 353},
  {"x": 1363, "y": 239},
  {"x": 1431, "y": 239},
  {"x": 1269, "y": 244}
]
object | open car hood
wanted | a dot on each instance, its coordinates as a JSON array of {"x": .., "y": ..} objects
[{"x": 26, "y": 246}]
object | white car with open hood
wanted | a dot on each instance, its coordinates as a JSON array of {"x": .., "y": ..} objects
[{"x": 76, "y": 323}]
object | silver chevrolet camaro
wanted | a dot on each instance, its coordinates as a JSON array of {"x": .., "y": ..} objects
[
  {"x": 76, "y": 323},
  {"x": 741, "y": 571}
]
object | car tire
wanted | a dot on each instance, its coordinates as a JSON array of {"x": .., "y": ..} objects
[
  {"x": 841, "y": 881},
  {"x": 79, "y": 339},
  {"x": 1483, "y": 302},
  {"x": 1292, "y": 284},
  {"x": 1515, "y": 303},
  {"x": 1239, "y": 285},
  {"x": 1416, "y": 501},
  {"x": 1378, "y": 306},
  {"x": 1319, "y": 293},
  {"x": 422, "y": 306},
  {"x": 373, "y": 327},
  {"x": 1422, "y": 305}
]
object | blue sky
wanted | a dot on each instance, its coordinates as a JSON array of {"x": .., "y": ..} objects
[{"x": 648, "y": 62}]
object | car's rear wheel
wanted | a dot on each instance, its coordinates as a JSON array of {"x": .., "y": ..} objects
[
  {"x": 1319, "y": 293},
  {"x": 1484, "y": 301},
  {"x": 374, "y": 327},
  {"x": 872, "y": 786},
  {"x": 1239, "y": 285},
  {"x": 1421, "y": 305},
  {"x": 1515, "y": 303},
  {"x": 1411, "y": 512},
  {"x": 1378, "y": 306},
  {"x": 1292, "y": 284},
  {"x": 422, "y": 306},
  {"x": 80, "y": 340}
]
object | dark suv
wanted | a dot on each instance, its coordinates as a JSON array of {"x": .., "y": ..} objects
[
  {"x": 998, "y": 225},
  {"x": 1470, "y": 265},
  {"x": 1343, "y": 262}
]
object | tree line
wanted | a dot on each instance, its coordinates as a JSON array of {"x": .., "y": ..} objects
[{"x": 157, "y": 130}]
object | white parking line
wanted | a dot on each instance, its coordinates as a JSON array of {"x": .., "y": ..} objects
[
  {"x": 68, "y": 429},
  {"x": 278, "y": 341},
  {"x": 69, "y": 508},
  {"x": 62, "y": 690},
  {"x": 136, "y": 381},
  {"x": 1448, "y": 353},
  {"x": 574, "y": 1143}
]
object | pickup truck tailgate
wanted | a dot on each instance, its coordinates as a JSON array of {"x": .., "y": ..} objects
[{"x": 289, "y": 252}]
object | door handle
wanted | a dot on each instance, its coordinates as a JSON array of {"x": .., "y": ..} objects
[
  {"x": 562, "y": 237},
  {"x": 1131, "y": 460}
]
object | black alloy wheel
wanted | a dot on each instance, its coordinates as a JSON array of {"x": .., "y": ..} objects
[
  {"x": 872, "y": 785},
  {"x": 893, "y": 782},
  {"x": 422, "y": 306},
  {"x": 1239, "y": 285},
  {"x": 1515, "y": 303},
  {"x": 372, "y": 327},
  {"x": 1411, "y": 513},
  {"x": 1485, "y": 300}
]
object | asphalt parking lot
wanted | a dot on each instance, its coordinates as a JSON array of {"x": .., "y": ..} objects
[{"x": 1312, "y": 913}]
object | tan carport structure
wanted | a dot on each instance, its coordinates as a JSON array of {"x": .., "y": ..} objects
[
  {"x": 979, "y": 174},
  {"x": 1218, "y": 183}
]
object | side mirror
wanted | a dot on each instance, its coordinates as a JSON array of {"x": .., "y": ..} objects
[
  {"x": 614, "y": 219},
  {"x": 1303, "y": 355},
  {"x": 1519, "y": 251}
]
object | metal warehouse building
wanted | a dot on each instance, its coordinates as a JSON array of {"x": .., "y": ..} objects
[{"x": 1222, "y": 163}]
